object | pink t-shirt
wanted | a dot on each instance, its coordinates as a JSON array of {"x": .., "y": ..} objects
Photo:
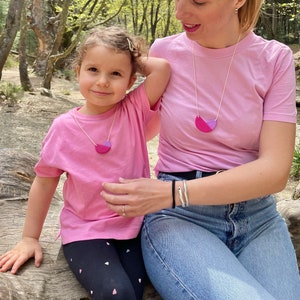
[
  {"x": 260, "y": 86},
  {"x": 67, "y": 149}
]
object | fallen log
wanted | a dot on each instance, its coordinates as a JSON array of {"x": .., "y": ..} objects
[
  {"x": 53, "y": 279},
  {"x": 290, "y": 211}
]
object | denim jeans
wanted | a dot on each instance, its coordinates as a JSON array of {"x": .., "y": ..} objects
[{"x": 231, "y": 252}]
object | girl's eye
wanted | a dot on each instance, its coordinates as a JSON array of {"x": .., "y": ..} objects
[
  {"x": 92, "y": 69},
  {"x": 116, "y": 73}
]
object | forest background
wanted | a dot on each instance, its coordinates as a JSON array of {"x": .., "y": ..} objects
[{"x": 41, "y": 36}]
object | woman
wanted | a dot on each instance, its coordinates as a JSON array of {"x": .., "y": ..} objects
[{"x": 226, "y": 145}]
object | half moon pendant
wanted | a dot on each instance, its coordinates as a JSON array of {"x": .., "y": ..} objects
[
  {"x": 205, "y": 126},
  {"x": 102, "y": 149}
]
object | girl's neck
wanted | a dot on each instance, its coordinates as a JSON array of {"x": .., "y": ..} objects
[{"x": 95, "y": 110}]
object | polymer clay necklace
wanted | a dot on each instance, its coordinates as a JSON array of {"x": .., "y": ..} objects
[
  {"x": 100, "y": 148},
  {"x": 200, "y": 123}
]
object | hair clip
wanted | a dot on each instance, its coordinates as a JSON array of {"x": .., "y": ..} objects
[{"x": 130, "y": 45}]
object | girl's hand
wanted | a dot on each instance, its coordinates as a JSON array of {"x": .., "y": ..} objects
[
  {"x": 137, "y": 197},
  {"x": 16, "y": 257}
]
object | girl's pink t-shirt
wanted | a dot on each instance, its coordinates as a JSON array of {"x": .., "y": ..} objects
[
  {"x": 67, "y": 149},
  {"x": 260, "y": 87}
]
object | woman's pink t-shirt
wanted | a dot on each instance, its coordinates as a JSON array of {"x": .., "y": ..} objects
[{"x": 260, "y": 86}]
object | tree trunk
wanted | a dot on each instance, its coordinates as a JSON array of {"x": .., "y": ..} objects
[
  {"x": 10, "y": 30},
  {"x": 23, "y": 70},
  {"x": 44, "y": 24},
  {"x": 57, "y": 42}
]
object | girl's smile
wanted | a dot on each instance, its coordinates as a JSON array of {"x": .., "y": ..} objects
[{"x": 104, "y": 82}]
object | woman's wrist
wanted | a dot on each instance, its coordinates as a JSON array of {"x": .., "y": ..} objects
[{"x": 179, "y": 191}]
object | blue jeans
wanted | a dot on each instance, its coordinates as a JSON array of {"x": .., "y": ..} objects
[{"x": 231, "y": 252}]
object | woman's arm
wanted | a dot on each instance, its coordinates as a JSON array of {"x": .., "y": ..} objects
[
  {"x": 266, "y": 175},
  {"x": 40, "y": 196}
]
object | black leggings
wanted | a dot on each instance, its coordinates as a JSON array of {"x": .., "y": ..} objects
[{"x": 108, "y": 269}]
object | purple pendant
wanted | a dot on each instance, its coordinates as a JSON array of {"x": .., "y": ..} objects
[
  {"x": 205, "y": 126},
  {"x": 102, "y": 149}
]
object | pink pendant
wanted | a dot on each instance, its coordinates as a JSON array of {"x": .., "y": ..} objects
[
  {"x": 205, "y": 126},
  {"x": 102, "y": 149}
]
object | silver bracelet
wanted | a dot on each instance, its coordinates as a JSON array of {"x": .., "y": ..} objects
[
  {"x": 181, "y": 197},
  {"x": 186, "y": 196}
]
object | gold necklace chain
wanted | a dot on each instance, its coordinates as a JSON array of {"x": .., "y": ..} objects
[
  {"x": 224, "y": 87},
  {"x": 107, "y": 145}
]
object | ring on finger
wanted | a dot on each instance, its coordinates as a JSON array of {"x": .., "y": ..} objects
[{"x": 123, "y": 210}]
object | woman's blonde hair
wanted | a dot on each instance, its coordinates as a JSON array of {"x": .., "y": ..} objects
[{"x": 249, "y": 14}]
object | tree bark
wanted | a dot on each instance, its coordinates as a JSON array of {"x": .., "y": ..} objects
[
  {"x": 23, "y": 66},
  {"x": 10, "y": 30},
  {"x": 57, "y": 42},
  {"x": 43, "y": 22}
]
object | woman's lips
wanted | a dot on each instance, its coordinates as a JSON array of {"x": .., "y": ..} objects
[{"x": 190, "y": 27}]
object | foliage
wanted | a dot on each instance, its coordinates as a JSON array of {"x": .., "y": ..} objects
[
  {"x": 295, "y": 170},
  {"x": 3, "y": 12},
  {"x": 151, "y": 19},
  {"x": 11, "y": 62},
  {"x": 284, "y": 19},
  {"x": 10, "y": 92}
]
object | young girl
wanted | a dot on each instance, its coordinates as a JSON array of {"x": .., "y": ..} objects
[{"x": 101, "y": 141}]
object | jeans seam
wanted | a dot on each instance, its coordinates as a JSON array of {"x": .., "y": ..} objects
[{"x": 167, "y": 266}]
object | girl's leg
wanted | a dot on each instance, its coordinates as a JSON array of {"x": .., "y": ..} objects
[
  {"x": 97, "y": 266},
  {"x": 185, "y": 261},
  {"x": 271, "y": 259},
  {"x": 130, "y": 253}
]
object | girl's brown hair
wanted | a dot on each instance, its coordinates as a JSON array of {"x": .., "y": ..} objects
[{"x": 115, "y": 38}]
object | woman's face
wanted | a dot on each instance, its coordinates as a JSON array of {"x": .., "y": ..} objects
[{"x": 211, "y": 23}]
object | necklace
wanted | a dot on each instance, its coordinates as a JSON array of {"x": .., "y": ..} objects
[
  {"x": 209, "y": 125},
  {"x": 100, "y": 148}
]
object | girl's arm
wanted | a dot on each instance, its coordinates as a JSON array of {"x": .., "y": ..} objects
[
  {"x": 266, "y": 175},
  {"x": 157, "y": 72},
  {"x": 40, "y": 196}
]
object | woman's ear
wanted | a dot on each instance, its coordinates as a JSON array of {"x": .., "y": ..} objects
[{"x": 239, "y": 3}]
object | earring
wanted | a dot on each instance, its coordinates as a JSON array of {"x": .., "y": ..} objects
[{"x": 236, "y": 10}]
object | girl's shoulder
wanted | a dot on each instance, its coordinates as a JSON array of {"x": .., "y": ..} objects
[{"x": 64, "y": 120}]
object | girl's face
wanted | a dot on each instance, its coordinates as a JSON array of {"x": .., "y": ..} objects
[
  {"x": 211, "y": 23},
  {"x": 104, "y": 77}
]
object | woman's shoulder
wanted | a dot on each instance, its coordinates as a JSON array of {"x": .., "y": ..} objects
[
  {"x": 269, "y": 47},
  {"x": 169, "y": 40}
]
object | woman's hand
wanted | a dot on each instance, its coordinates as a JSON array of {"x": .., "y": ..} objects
[
  {"x": 16, "y": 257},
  {"x": 137, "y": 197}
]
